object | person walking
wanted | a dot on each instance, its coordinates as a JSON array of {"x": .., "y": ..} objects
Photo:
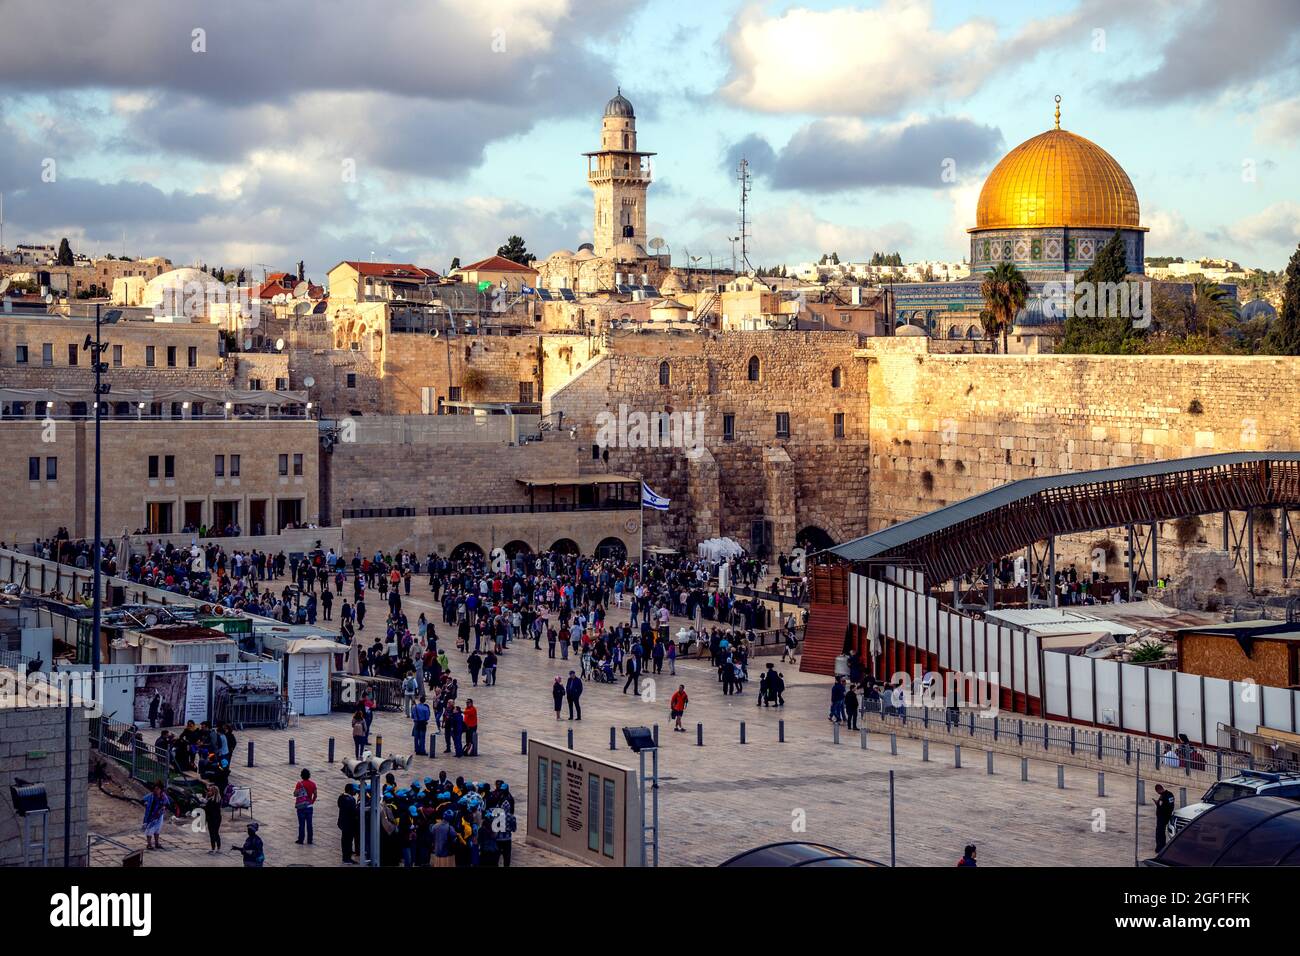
[
  {"x": 475, "y": 664},
  {"x": 470, "y": 717},
  {"x": 573, "y": 691},
  {"x": 837, "y": 701},
  {"x": 968, "y": 856},
  {"x": 677, "y": 707},
  {"x": 359, "y": 733},
  {"x": 410, "y": 687},
  {"x": 253, "y": 851},
  {"x": 304, "y": 802},
  {"x": 420, "y": 724},
  {"x": 156, "y": 805},
  {"x": 851, "y": 708},
  {"x": 633, "y": 674},
  {"x": 349, "y": 823},
  {"x": 557, "y": 695},
  {"x": 212, "y": 817},
  {"x": 1164, "y": 802}
]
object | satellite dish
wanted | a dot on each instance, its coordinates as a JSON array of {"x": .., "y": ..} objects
[
  {"x": 302, "y": 308},
  {"x": 248, "y": 345},
  {"x": 4, "y": 283},
  {"x": 656, "y": 243},
  {"x": 309, "y": 381},
  {"x": 434, "y": 333},
  {"x": 279, "y": 299},
  {"x": 301, "y": 289},
  {"x": 279, "y": 345},
  {"x": 49, "y": 298}
]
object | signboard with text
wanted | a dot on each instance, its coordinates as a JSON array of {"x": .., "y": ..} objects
[{"x": 583, "y": 807}]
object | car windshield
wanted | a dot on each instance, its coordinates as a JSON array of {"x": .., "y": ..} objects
[{"x": 1227, "y": 792}]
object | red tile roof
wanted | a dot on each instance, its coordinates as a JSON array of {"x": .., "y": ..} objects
[
  {"x": 390, "y": 269},
  {"x": 496, "y": 264}
]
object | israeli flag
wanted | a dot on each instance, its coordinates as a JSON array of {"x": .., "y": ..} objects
[{"x": 651, "y": 500}]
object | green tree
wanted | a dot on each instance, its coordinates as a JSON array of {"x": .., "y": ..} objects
[
  {"x": 1101, "y": 330},
  {"x": 1211, "y": 310},
  {"x": 1283, "y": 336},
  {"x": 65, "y": 253},
  {"x": 516, "y": 251},
  {"x": 1005, "y": 293}
]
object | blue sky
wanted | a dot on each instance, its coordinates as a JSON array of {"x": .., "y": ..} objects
[{"x": 464, "y": 122}]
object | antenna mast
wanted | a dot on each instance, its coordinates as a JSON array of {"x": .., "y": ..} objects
[{"x": 743, "y": 177}]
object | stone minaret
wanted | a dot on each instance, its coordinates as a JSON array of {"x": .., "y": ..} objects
[{"x": 619, "y": 175}]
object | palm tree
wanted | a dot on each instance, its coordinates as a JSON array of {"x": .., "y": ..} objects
[
  {"x": 1210, "y": 309},
  {"x": 989, "y": 325},
  {"x": 1005, "y": 293}
]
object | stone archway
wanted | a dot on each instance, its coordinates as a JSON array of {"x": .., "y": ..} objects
[
  {"x": 612, "y": 547},
  {"x": 517, "y": 547},
  {"x": 813, "y": 538},
  {"x": 467, "y": 551},
  {"x": 565, "y": 546}
]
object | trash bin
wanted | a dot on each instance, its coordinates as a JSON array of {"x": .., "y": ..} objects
[{"x": 842, "y": 665}]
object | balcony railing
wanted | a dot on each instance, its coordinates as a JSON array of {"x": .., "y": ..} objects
[{"x": 447, "y": 511}]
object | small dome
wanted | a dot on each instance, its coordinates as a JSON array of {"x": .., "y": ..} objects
[
  {"x": 1035, "y": 314},
  {"x": 619, "y": 106},
  {"x": 909, "y": 331},
  {"x": 178, "y": 286},
  {"x": 1258, "y": 308},
  {"x": 629, "y": 251},
  {"x": 584, "y": 253},
  {"x": 561, "y": 254}
]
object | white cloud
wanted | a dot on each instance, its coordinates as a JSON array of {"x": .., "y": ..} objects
[{"x": 1277, "y": 224}]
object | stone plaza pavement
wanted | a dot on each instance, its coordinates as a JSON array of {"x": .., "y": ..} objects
[{"x": 715, "y": 800}]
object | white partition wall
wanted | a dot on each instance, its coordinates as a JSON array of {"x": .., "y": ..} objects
[{"x": 1130, "y": 697}]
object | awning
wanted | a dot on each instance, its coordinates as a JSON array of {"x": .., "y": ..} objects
[{"x": 579, "y": 480}]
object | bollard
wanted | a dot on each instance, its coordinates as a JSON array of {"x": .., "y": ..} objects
[
  {"x": 742, "y": 731},
  {"x": 699, "y": 735},
  {"x": 331, "y": 760},
  {"x": 292, "y": 753},
  {"x": 989, "y": 755},
  {"x": 656, "y": 733},
  {"x": 956, "y": 756},
  {"x": 863, "y": 733},
  {"x": 379, "y": 745},
  {"x": 523, "y": 741},
  {"x": 433, "y": 745},
  {"x": 925, "y": 750},
  {"x": 250, "y": 753},
  {"x": 893, "y": 745},
  {"x": 1142, "y": 793},
  {"x": 570, "y": 738},
  {"x": 613, "y": 741},
  {"x": 780, "y": 731},
  {"x": 835, "y": 733},
  {"x": 1060, "y": 776},
  {"x": 1101, "y": 784},
  {"x": 1024, "y": 769},
  {"x": 1182, "y": 796}
]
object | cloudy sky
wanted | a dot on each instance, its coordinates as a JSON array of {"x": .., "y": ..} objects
[{"x": 246, "y": 133}]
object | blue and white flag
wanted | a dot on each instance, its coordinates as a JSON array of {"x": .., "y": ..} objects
[
  {"x": 651, "y": 500},
  {"x": 527, "y": 290}
]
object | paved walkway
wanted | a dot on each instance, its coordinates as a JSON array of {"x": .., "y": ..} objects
[{"x": 721, "y": 798}]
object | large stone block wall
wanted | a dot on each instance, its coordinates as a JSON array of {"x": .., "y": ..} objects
[
  {"x": 825, "y": 480},
  {"x": 423, "y": 534},
  {"x": 945, "y": 427},
  {"x": 32, "y": 748}
]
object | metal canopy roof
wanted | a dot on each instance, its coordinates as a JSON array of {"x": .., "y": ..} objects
[{"x": 986, "y": 526}]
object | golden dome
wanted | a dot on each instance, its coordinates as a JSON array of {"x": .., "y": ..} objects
[{"x": 1058, "y": 179}]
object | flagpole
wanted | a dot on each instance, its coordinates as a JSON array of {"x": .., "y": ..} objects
[{"x": 640, "y": 558}]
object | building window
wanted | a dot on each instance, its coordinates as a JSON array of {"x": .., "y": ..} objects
[
  {"x": 595, "y": 453},
  {"x": 729, "y": 427},
  {"x": 282, "y": 385},
  {"x": 169, "y": 466},
  {"x": 51, "y": 469},
  {"x": 33, "y": 469},
  {"x": 20, "y": 356},
  {"x": 839, "y": 424},
  {"x": 72, "y": 353},
  {"x": 284, "y": 465},
  {"x": 255, "y": 384},
  {"x": 117, "y": 356},
  {"x": 193, "y": 356},
  {"x": 297, "y": 465},
  {"x": 754, "y": 368},
  {"x": 219, "y": 468},
  {"x": 352, "y": 379},
  {"x": 153, "y": 466},
  {"x": 782, "y": 424},
  {"x": 47, "y": 353},
  {"x": 837, "y": 377},
  {"x": 526, "y": 393},
  {"x": 234, "y": 466},
  {"x": 453, "y": 393},
  {"x": 149, "y": 352},
  {"x": 171, "y": 356},
  {"x": 665, "y": 374}
]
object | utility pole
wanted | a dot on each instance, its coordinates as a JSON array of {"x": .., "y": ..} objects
[{"x": 745, "y": 180}]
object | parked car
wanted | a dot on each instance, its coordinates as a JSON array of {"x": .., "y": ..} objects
[{"x": 1247, "y": 783}]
